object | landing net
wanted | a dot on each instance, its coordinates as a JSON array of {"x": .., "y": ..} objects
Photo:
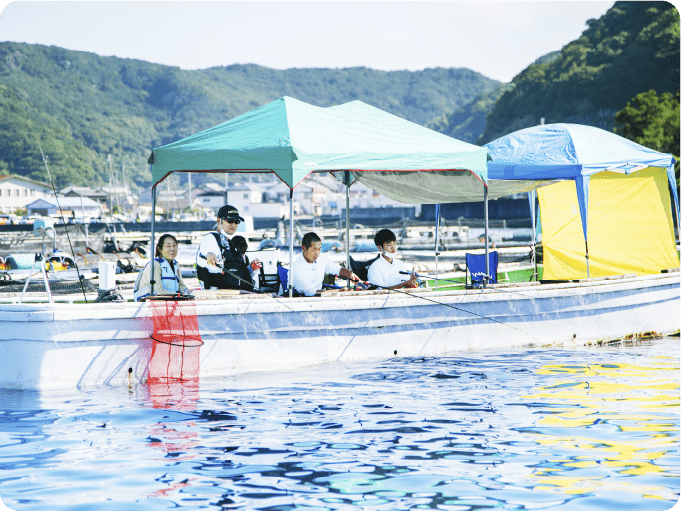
[{"x": 177, "y": 341}]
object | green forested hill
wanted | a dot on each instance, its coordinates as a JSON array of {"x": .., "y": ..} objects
[
  {"x": 470, "y": 121},
  {"x": 632, "y": 48},
  {"x": 79, "y": 106}
]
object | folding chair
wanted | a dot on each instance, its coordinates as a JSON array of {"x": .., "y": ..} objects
[
  {"x": 282, "y": 273},
  {"x": 475, "y": 267},
  {"x": 361, "y": 268},
  {"x": 268, "y": 283}
]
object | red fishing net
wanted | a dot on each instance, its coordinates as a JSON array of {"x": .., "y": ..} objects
[{"x": 177, "y": 341}]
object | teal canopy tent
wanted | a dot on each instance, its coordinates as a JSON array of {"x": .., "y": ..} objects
[{"x": 293, "y": 139}]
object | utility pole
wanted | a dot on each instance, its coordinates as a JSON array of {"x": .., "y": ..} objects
[
  {"x": 109, "y": 160},
  {"x": 125, "y": 199}
]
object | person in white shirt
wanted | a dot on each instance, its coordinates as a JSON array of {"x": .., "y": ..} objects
[
  {"x": 308, "y": 270},
  {"x": 219, "y": 264},
  {"x": 385, "y": 271}
]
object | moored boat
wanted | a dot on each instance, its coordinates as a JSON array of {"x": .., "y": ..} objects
[
  {"x": 223, "y": 332},
  {"x": 59, "y": 345}
]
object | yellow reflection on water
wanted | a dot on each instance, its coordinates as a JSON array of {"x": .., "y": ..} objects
[{"x": 618, "y": 419}]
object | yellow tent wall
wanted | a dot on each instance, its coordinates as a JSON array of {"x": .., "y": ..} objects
[{"x": 630, "y": 227}]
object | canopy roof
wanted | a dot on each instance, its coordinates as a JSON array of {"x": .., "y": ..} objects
[
  {"x": 570, "y": 151},
  {"x": 292, "y": 139},
  {"x": 565, "y": 151}
]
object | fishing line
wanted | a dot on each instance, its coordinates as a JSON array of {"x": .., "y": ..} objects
[
  {"x": 490, "y": 290},
  {"x": 268, "y": 294},
  {"x": 80, "y": 278},
  {"x": 451, "y": 306},
  {"x": 420, "y": 275}
]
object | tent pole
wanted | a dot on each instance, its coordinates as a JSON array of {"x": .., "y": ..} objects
[
  {"x": 347, "y": 222},
  {"x": 674, "y": 199},
  {"x": 152, "y": 250},
  {"x": 485, "y": 280},
  {"x": 290, "y": 250},
  {"x": 586, "y": 246},
  {"x": 530, "y": 197},
  {"x": 678, "y": 225},
  {"x": 437, "y": 232}
]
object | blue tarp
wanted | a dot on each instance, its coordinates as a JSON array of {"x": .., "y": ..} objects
[{"x": 571, "y": 151}]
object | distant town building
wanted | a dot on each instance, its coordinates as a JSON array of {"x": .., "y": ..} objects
[
  {"x": 96, "y": 194},
  {"x": 71, "y": 207},
  {"x": 16, "y": 192},
  {"x": 107, "y": 196}
]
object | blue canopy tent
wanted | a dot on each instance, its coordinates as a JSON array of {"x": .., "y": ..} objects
[{"x": 571, "y": 151}]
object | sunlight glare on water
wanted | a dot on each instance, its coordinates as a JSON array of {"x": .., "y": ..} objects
[{"x": 572, "y": 429}]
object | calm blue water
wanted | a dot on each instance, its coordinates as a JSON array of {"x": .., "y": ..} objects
[{"x": 586, "y": 429}]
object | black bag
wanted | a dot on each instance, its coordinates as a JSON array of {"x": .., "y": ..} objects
[{"x": 235, "y": 271}]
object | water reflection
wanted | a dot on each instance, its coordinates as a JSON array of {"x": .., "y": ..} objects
[
  {"x": 572, "y": 430},
  {"x": 610, "y": 421}
]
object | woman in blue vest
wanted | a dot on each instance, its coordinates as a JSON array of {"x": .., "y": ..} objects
[{"x": 167, "y": 275}]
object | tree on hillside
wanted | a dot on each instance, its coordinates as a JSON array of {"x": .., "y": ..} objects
[
  {"x": 652, "y": 121},
  {"x": 632, "y": 48}
]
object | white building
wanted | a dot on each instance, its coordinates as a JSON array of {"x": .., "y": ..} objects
[
  {"x": 16, "y": 192},
  {"x": 71, "y": 207},
  {"x": 248, "y": 199}
]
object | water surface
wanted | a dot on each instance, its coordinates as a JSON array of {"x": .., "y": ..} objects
[{"x": 591, "y": 428}]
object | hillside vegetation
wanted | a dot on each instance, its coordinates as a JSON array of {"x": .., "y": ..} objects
[
  {"x": 470, "y": 122},
  {"x": 80, "y": 107},
  {"x": 632, "y": 48}
]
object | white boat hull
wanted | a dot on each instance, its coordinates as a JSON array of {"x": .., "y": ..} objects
[{"x": 52, "y": 346}]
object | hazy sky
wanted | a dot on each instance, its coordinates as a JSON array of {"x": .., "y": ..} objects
[{"x": 496, "y": 38}]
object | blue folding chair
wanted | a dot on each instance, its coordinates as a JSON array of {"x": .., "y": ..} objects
[
  {"x": 283, "y": 279},
  {"x": 475, "y": 267}
]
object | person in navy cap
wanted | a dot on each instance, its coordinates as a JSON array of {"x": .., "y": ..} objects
[{"x": 219, "y": 263}]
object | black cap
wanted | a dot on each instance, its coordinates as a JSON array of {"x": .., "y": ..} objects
[{"x": 229, "y": 213}]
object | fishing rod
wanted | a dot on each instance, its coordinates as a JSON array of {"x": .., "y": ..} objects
[
  {"x": 268, "y": 294},
  {"x": 419, "y": 275},
  {"x": 489, "y": 290},
  {"x": 397, "y": 290},
  {"x": 448, "y": 305},
  {"x": 61, "y": 213}
]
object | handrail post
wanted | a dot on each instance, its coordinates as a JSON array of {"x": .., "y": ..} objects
[
  {"x": 486, "y": 279},
  {"x": 290, "y": 249},
  {"x": 152, "y": 250}
]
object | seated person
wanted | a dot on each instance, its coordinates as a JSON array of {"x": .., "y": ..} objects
[
  {"x": 167, "y": 275},
  {"x": 385, "y": 271},
  {"x": 242, "y": 246},
  {"x": 308, "y": 270},
  {"x": 219, "y": 265}
]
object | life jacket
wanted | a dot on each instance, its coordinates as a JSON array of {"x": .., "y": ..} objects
[
  {"x": 233, "y": 266},
  {"x": 170, "y": 280}
]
